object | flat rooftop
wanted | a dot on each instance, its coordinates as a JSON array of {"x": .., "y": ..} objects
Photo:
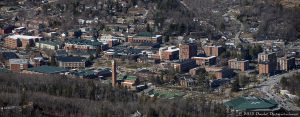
[
  {"x": 48, "y": 69},
  {"x": 23, "y": 37},
  {"x": 209, "y": 57},
  {"x": 18, "y": 61}
]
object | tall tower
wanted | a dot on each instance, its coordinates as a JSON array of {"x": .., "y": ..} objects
[
  {"x": 114, "y": 73},
  {"x": 187, "y": 50}
]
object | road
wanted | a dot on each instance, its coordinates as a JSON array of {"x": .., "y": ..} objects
[{"x": 266, "y": 88}]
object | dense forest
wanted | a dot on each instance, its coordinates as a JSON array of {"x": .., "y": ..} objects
[{"x": 48, "y": 95}]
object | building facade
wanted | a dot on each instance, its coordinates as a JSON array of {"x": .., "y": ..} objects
[
  {"x": 205, "y": 61},
  {"x": 16, "y": 41},
  {"x": 145, "y": 37},
  {"x": 184, "y": 65},
  {"x": 242, "y": 65},
  {"x": 17, "y": 65},
  {"x": 48, "y": 45},
  {"x": 188, "y": 50},
  {"x": 168, "y": 53},
  {"x": 266, "y": 68},
  {"x": 213, "y": 50},
  {"x": 267, "y": 63},
  {"x": 286, "y": 63},
  {"x": 71, "y": 62}
]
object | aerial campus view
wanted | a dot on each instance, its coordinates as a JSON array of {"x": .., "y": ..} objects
[{"x": 149, "y": 58}]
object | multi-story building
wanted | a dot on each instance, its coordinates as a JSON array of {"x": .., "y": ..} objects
[
  {"x": 82, "y": 44},
  {"x": 203, "y": 61},
  {"x": 187, "y": 50},
  {"x": 184, "y": 65},
  {"x": 219, "y": 72},
  {"x": 71, "y": 62},
  {"x": 267, "y": 63},
  {"x": 267, "y": 56},
  {"x": 213, "y": 50},
  {"x": 110, "y": 39},
  {"x": 145, "y": 37},
  {"x": 286, "y": 63},
  {"x": 15, "y": 41},
  {"x": 168, "y": 53},
  {"x": 52, "y": 45},
  {"x": 17, "y": 65},
  {"x": 6, "y": 29},
  {"x": 242, "y": 65},
  {"x": 266, "y": 68}
]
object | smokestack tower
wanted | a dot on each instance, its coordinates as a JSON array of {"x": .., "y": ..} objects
[{"x": 114, "y": 73}]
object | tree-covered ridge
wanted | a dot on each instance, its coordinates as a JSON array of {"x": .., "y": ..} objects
[{"x": 51, "y": 95}]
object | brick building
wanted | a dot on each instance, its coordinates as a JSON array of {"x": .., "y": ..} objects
[
  {"x": 16, "y": 41},
  {"x": 266, "y": 68},
  {"x": 203, "y": 61},
  {"x": 286, "y": 63},
  {"x": 187, "y": 50},
  {"x": 71, "y": 62},
  {"x": 17, "y": 65},
  {"x": 242, "y": 65},
  {"x": 145, "y": 37},
  {"x": 184, "y": 65},
  {"x": 213, "y": 50},
  {"x": 267, "y": 56},
  {"x": 267, "y": 63},
  {"x": 168, "y": 53},
  {"x": 130, "y": 82}
]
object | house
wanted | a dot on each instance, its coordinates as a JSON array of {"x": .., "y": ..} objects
[{"x": 71, "y": 62}]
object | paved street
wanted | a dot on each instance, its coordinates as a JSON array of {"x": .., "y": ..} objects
[{"x": 266, "y": 88}]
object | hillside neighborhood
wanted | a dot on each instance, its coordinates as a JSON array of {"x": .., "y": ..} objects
[{"x": 134, "y": 45}]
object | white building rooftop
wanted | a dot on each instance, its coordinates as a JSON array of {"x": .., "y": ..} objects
[
  {"x": 18, "y": 61},
  {"x": 23, "y": 37}
]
